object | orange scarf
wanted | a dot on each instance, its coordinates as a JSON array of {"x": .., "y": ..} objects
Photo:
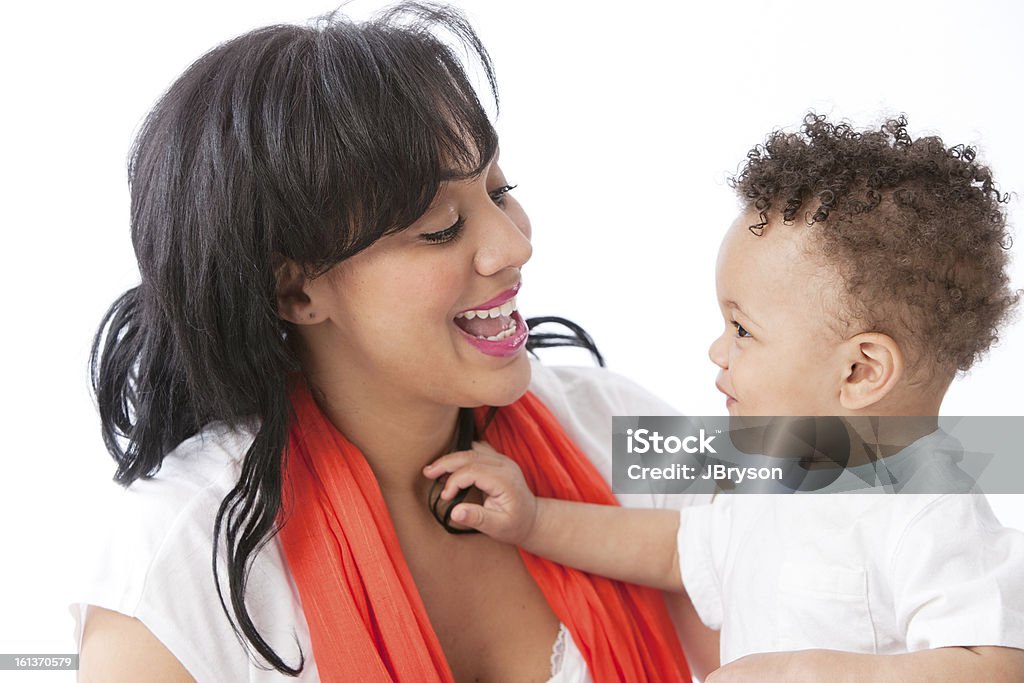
[{"x": 366, "y": 620}]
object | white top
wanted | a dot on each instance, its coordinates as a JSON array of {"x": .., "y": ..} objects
[
  {"x": 153, "y": 559},
  {"x": 877, "y": 574}
]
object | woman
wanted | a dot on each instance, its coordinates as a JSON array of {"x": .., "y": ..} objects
[{"x": 329, "y": 256}]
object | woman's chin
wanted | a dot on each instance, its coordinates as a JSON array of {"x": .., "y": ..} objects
[{"x": 507, "y": 385}]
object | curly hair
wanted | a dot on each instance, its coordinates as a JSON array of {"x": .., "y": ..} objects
[{"x": 916, "y": 230}]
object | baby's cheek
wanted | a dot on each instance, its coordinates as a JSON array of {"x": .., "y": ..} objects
[
  {"x": 807, "y": 397},
  {"x": 784, "y": 391}
]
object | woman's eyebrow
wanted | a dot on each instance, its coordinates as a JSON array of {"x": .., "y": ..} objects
[{"x": 450, "y": 174}]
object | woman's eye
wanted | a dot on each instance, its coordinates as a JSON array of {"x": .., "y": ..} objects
[
  {"x": 447, "y": 235},
  {"x": 741, "y": 332},
  {"x": 498, "y": 196}
]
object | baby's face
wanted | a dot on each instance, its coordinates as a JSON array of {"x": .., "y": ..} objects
[{"x": 779, "y": 351}]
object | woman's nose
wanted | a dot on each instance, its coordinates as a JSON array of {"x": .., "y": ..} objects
[
  {"x": 719, "y": 351},
  {"x": 504, "y": 243}
]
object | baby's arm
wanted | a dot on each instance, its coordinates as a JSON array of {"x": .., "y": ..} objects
[
  {"x": 636, "y": 546},
  {"x": 941, "y": 665}
]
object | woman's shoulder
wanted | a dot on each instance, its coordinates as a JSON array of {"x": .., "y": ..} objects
[
  {"x": 204, "y": 459},
  {"x": 151, "y": 557},
  {"x": 136, "y": 533},
  {"x": 183, "y": 494},
  {"x": 193, "y": 478}
]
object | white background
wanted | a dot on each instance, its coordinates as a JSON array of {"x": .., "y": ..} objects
[{"x": 619, "y": 121}]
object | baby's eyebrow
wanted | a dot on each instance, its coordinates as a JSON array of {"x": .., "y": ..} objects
[{"x": 732, "y": 304}]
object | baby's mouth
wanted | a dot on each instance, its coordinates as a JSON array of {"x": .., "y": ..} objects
[{"x": 490, "y": 324}]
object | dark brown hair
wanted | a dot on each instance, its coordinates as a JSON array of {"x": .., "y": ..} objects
[
  {"x": 916, "y": 230},
  {"x": 310, "y": 142}
]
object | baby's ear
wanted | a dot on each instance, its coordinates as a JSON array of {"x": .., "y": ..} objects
[
  {"x": 874, "y": 367},
  {"x": 293, "y": 302}
]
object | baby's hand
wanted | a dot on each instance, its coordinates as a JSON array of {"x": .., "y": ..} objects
[{"x": 510, "y": 509}]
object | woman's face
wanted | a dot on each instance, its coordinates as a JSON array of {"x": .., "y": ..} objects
[{"x": 402, "y": 320}]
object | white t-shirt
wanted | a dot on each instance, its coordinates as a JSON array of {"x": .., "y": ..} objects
[
  {"x": 153, "y": 558},
  {"x": 876, "y": 573}
]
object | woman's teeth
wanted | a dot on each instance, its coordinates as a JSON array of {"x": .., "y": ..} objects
[
  {"x": 505, "y": 333},
  {"x": 504, "y": 309},
  {"x": 490, "y": 324}
]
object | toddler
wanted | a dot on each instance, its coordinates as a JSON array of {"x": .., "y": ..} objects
[{"x": 864, "y": 272}]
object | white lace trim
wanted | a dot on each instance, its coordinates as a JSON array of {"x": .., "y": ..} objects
[{"x": 558, "y": 650}]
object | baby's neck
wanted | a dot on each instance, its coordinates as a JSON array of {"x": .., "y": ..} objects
[
  {"x": 876, "y": 437},
  {"x": 889, "y": 426}
]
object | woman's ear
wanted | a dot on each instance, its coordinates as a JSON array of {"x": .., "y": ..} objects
[
  {"x": 874, "y": 366},
  {"x": 293, "y": 302}
]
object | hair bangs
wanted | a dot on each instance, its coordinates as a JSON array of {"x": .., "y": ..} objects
[{"x": 383, "y": 137}]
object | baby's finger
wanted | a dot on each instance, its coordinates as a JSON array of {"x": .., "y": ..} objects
[
  {"x": 481, "y": 475},
  {"x": 481, "y": 451},
  {"x": 449, "y": 463},
  {"x": 487, "y": 450},
  {"x": 487, "y": 453},
  {"x": 477, "y": 517}
]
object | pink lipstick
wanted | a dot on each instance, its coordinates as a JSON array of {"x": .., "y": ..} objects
[{"x": 494, "y": 327}]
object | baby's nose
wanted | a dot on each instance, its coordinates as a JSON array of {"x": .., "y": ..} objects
[{"x": 718, "y": 352}]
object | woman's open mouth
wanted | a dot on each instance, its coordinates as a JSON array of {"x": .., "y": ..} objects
[{"x": 498, "y": 329}]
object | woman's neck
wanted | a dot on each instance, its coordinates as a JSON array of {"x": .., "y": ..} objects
[{"x": 397, "y": 434}]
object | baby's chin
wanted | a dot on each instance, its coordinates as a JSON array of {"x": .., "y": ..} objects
[{"x": 770, "y": 408}]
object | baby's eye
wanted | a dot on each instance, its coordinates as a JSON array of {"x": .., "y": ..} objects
[
  {"x": 498, "y": 196},
  {"x": 741, "y": 332},
  {"x": 449, "y": 234}
]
